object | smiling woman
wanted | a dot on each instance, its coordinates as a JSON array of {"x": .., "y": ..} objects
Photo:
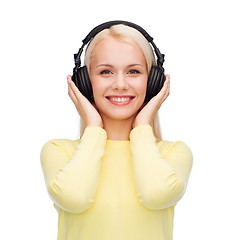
[
  {"x": 118, "y": 180},
  {"x": 123, "y": 34}
]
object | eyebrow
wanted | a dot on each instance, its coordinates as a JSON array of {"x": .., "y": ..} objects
[
  {"x": 109, "y": 65},
  {"x": 104, "y": 65}
]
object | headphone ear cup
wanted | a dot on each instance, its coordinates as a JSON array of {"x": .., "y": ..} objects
[
  {"x": 155, "y": 83},
  {"x": 82, "y": 81}
]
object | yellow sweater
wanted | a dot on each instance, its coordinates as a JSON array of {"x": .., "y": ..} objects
[{"x": 115, "y": 190}]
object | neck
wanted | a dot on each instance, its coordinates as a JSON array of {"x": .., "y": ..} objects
[{"x": 118, "y": 129}]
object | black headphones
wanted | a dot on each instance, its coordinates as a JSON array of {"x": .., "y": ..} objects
[{"x": 81, "y": 78}]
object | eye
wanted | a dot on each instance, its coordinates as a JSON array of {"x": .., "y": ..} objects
[
  {"x": 134, "y": 71},
  {"x": 105, "y": 72}
]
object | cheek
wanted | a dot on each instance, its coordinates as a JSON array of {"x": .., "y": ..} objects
[
  {"x": 142, "y": 87},
  {"x": 97, "y": 87}
]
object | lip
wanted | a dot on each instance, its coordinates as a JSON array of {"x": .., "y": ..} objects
[{"x": 120, "y": 96}]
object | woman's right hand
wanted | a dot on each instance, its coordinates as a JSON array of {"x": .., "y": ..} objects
[{"x": 86, "y": 110}]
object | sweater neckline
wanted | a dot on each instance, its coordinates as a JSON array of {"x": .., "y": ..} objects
[{"x": 117, "y": 143}]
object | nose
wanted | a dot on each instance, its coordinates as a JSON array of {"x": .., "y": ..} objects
[{"x": 120, "y": 83}]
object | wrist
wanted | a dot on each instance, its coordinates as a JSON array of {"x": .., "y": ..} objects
[
  {"x": 140, "y": 123},
  {"x": 95, "y": 125}
]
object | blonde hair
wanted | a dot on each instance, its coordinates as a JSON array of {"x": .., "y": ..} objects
[{"x": 128, "y": 34}]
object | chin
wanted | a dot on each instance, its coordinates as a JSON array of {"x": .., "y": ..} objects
[{"x": 119, "y": 113}]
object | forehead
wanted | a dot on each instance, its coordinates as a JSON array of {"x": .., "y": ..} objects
[{"x": 112, "y": 51}]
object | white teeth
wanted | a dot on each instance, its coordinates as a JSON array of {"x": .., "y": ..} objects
[{"x": 120, "y": 99}]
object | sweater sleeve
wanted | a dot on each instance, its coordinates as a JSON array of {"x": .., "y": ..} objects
[
  {"x": 161, "y": 176},
  {"x": 72, "y": 180}
]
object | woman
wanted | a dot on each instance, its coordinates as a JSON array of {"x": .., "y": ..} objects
[{"x": 119, "y": 180}]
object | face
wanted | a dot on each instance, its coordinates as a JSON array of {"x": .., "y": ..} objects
[{"x": 118, "y": 73}]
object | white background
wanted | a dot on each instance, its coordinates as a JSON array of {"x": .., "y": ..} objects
[{"x": 201, "y": 42}]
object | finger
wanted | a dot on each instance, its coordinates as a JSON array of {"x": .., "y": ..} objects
[
  {"x": 164, "y": 89},
  {"x": 74, "y": 88},
  {"x": 165, "y": 96},
  {"x": 71, "y": 94},
  {"x": 166, "y": 85},
  {"x": 70, "y": 90},
  {"x": 79, "y": 96},
  {"x": 164, "y": 93},
  {"x": 167, "y": 91},
  {"x": 167, "y": 81}
]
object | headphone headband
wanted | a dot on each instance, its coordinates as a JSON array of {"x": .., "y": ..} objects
[
  {"x": 99, "y": 28},
  {"x": 106, "y": 25}
]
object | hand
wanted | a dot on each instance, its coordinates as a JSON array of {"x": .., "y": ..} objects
[
  {"x": 147, "y": 112},
  {"x": 86, "y": 110}
]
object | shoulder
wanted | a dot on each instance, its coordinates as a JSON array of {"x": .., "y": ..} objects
[
  {"x": 66, "y": 145},
  {"x": 177, "y": 147}
]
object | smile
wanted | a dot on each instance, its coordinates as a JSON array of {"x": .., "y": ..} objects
[{"x": 120, "y": 100}]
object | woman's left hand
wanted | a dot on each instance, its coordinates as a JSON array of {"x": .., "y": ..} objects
[{"x": 147, "y": 113}]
